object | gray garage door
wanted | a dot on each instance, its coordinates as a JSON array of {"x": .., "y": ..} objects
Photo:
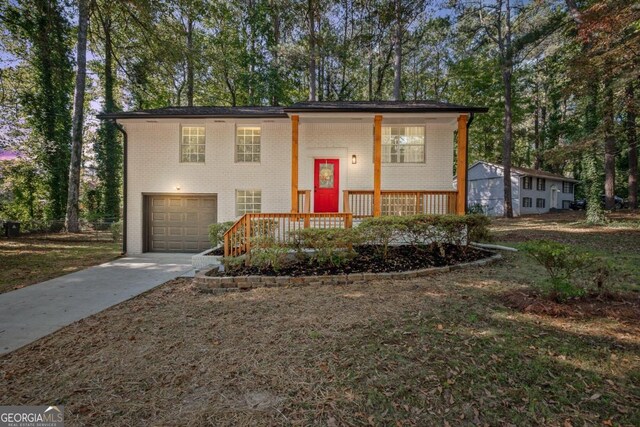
[{"x": 179, "y": 223}]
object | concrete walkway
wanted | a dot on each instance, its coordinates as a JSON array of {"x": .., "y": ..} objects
[{"x": 33, "y": 312}]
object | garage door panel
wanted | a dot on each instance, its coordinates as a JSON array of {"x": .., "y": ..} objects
[
  {"x": 158, "y": 202},
  {"x": 180, "y": 223},
  {"x": 192, "y": 231},
  {"x": 159, "y": 231},
  {"x": 158, "y": 216},
  {"x": 175, "y": 217}
]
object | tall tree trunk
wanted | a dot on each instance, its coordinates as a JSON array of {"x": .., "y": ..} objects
[
  {"x": 507, "y": 75},
  {"x": 73, "y": 198},
  {"x": 536, "y": 130},
  {"x": 313, "y": 84},
  {"x": 275, "y": 85},
  {"x": 609, "y": 150},
  {"x": 632, "y": 140},
  {"x": 397, "y": 51},
  {"x": 508, "y": 139},
  {"x": 110, "y": 152},
  {"x": 189, "y": 61}
]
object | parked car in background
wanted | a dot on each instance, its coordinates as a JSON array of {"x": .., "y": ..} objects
[{"x": 581, "y": 204}]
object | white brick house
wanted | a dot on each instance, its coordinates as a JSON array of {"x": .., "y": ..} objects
[
  {"x": 189, "y": 166},
  {"x": 533, "y": 191}
]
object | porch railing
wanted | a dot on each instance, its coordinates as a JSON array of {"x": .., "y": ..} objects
[
  {"x": 280, "y": 227},
  {"x": 399, "y": 203}
]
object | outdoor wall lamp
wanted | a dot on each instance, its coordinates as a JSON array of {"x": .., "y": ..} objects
[
  {"x": 354, "y": 159},
  {"x": 178, "y": 187}
]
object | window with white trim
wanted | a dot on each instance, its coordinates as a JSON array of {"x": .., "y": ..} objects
[
  {"x": 567, "y": 187},
  {"x": 192, "y": 144},
  {"x": 248, "y": 201},
  {"x": 248, "y": 144},
  {"x": 403, "y": 144},
  {"x": 526, "y": 202}
]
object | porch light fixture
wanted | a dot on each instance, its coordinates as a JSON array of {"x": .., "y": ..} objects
[
  {"x": 178, "y": 187},
  {"x": 354, "y": 159}
]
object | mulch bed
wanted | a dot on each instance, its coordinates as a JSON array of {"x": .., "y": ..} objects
[
  {"x": 216, "y": 252},
  {"x": 368, "y": 260},
  {"x": 619, "y": 306}
]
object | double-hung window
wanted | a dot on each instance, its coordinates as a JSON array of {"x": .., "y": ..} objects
[
  {"x": 248, "y": 144},
  {"x": 541, "y": 184},
  {"x": 248, "y": 201},
  {"x": 540, "y": 203},
  {"x": 192, "y": 144},
  {"x": 403, "y": 144},
  {"x": 526, "y": 202},
  {"x": 526, "y": 182},
  {"x": 567, "y": 187}
]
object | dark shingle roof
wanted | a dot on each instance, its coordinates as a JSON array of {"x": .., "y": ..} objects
[
  {"x": 299, "y": 107},
  {"x": 382, "y": 107},
  {"x": 195, "y": 112},
  {"x": 541, "y": 174},
  {"x": 529, "y": 172}
]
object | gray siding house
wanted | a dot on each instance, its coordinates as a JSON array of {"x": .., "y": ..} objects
[{"x": 533, "y": 191}]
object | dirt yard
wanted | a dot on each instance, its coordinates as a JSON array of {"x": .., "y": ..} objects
[{"x": 443, "y": 350}]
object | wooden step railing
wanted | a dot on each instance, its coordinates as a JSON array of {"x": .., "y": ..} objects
[
  {"x": 280, "y": 227},
  {"x": 399, "y": 203}
]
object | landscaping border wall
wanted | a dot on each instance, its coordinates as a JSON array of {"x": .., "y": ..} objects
[{"x": 213, "y": 284}]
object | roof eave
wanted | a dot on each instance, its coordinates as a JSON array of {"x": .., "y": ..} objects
[
  {"x": 387, "y": 110},
  {"x": 117, "y": 116}
]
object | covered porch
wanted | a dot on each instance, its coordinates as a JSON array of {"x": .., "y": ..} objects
[{"x": 353, "y": 180}]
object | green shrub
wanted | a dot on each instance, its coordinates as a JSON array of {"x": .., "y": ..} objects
[
  {"x": 266, "y": 253},
  {"x": 382, "y": 231},
  {"x": 418, "y": 230},
  {"x": 116, "y": 231},
  {"x": 478, "y": 227},
  {"x": 216, "y": 232},
  {"x": 561, "y": 262},
  {"x": 330, "y": 246},
  {"x": 232, "y": 263}
]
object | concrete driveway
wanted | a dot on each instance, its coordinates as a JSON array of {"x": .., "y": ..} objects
[{"x": 30, "y": 313}]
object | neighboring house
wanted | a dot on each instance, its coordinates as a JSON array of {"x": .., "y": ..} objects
[
  {"x": 533, "y": 191},
  {"x": 187, "y": 167}
]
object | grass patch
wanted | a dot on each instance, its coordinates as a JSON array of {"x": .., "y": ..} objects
[{"x": 33, "y": 259}]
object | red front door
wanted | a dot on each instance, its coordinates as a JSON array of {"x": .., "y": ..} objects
[{"x": 326, "y": 185}]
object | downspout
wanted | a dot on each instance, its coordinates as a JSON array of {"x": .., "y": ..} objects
[
  {"x": 124, "y": 185},
  {"x": 466, "y": 162}
]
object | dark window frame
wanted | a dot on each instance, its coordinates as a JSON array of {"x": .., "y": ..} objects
[
  {"x": 527, "y": 202},
  {"x": 540, "y": 187},
  {"x": 527, "y": 183},
  {"x": 567, "y": 187},
  {"x": 544, "y": 203}
]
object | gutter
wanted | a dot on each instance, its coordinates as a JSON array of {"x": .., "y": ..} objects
[
  {"x": 466, "y": 162},
  {"x": 124, "y": 185}
]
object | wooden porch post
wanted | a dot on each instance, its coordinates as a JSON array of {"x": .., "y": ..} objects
[
  {"x": 377, "y": 165},
  {"x": 294, "y": 163},
  {"x": 461, "y": 203}
]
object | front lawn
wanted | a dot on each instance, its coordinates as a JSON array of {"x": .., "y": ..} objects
[
  {"x": 442, "y": 350},
  {"x": 32, "y": 259}
]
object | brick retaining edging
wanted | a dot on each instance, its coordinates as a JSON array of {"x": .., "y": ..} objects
[{"x": 211, "y": 284}]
